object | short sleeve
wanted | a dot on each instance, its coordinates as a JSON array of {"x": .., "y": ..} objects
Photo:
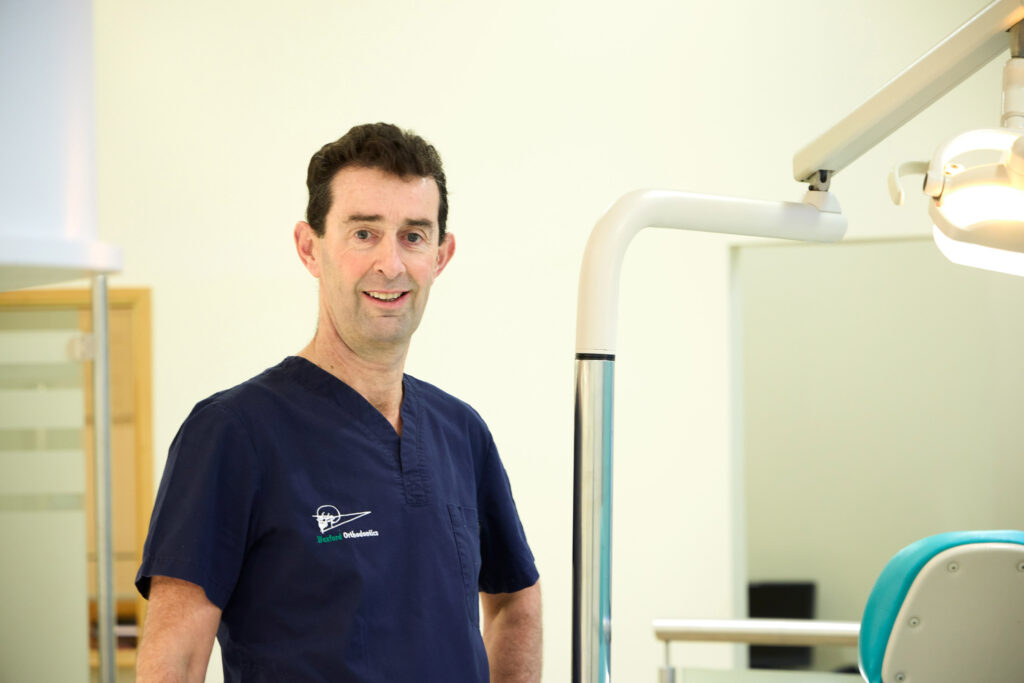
[
  {"x": 203, "y": 516},
  {"x": 507, "y": 565}
]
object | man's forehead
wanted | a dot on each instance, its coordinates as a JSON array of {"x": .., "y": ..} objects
[{"x": 358, "y": 189}]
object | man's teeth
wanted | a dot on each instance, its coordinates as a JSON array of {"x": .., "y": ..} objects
[{"x": 385, "y": 296}]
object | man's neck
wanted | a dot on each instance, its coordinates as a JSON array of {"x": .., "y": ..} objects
[{"x": 378, "y": 379}]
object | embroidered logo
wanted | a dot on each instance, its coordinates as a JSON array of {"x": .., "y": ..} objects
[{"x": 328, "y": 518}]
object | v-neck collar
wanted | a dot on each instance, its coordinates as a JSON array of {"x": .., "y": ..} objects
[
  {"x": 324, "y": 383},
  {"x": 407, "y": 447}
]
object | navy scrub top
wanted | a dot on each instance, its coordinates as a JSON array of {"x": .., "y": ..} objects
[{"x": 337, "y": 550}]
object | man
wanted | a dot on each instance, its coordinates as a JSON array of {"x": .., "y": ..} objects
[{"x": 333, "y": 519}]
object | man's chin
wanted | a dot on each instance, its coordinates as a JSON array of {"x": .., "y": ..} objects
[{"x": 383, "y": 336}]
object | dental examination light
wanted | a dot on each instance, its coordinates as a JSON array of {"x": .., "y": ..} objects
[
  {"x": 976, "y": 186},
  {"x": 976, "y": 183}
]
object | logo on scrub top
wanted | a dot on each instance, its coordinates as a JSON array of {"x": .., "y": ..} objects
[{"x": 328, "y": 518}]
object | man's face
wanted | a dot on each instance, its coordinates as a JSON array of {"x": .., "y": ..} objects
[{"x": 378, "y": 257}]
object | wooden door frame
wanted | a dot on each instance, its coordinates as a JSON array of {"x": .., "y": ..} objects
[{"x": 137, "y": 301}]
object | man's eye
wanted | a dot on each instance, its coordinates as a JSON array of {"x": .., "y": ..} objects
[
  {"x": 362, "y": 234},
  {"x": 414, "y": 237}
]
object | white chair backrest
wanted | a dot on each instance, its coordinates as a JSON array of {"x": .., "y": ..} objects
[{"x": 949, "y": 608}]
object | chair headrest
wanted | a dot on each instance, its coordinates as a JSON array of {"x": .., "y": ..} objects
[{"x": 948, "y": 608}]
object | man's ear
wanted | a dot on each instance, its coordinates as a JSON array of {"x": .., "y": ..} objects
[
  {"x": 445, "y": 251},
  {"x": 306, "y": 241}
]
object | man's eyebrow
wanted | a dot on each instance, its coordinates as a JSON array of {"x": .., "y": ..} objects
[
  {"x": 364, "y": 218},
  {"x": 377, "y": 218}
]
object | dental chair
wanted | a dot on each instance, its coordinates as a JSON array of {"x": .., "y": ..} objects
[{"x": 948, "y": 608}]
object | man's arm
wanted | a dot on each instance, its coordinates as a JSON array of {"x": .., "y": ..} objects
[
  {"x": 512, "y": 635},
  {"x": 181, "y": 624}
]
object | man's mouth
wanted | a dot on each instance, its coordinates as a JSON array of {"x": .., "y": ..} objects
[{"x": 385, "y": 296}]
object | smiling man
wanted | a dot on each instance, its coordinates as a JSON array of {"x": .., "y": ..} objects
[{"x": 334, "y": 519}]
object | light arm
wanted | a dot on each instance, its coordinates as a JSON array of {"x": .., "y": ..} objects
[
  {"x": 597, "y": 313},
  {"x": 980, "y": 40},
  {"x": 512, "y": 635}
]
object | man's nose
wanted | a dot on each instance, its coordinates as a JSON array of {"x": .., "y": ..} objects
[{"x": 389, "y": 257}]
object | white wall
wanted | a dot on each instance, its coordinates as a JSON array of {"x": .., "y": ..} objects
[
  {"x": 545, "y": 112},
  {"x": 880, "y": 408}
]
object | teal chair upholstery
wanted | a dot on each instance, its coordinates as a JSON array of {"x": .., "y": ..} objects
[{"x": 948, "y": 608}]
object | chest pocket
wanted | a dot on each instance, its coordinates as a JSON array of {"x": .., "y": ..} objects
[{"x": 466, "y": 530}]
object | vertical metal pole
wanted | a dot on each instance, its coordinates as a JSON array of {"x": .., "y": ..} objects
[
  {"x": 667, "y": 674},
  {"x": 101, "y": 431},
  {"x": 592, "y": 515}
]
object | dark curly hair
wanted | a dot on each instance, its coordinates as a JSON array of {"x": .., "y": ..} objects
[{"x": 373, "y": 145}]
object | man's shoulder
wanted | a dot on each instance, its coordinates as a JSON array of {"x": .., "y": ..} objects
[
  {"x": 437, "y": 400},
  {"x": 267, "y": 387},
  {"x": 438, "y": 396}
]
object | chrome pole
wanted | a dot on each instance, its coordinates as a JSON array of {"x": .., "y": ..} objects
[
  {"x": 667, "y": 674},
  {"x": 592, "y": 515},
  {"x": 101, "y": 443}
]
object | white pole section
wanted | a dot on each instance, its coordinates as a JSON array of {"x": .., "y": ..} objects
[
  {"x": 48, "y": 131},
  {"x": 47, "y": 134}
]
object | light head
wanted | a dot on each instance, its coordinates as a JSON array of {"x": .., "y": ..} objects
[{"x": 977, "y": 207}]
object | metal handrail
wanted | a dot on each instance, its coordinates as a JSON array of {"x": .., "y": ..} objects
[
  {"x": 758, "y": 631},
  {"x": 803, "y": 632}
]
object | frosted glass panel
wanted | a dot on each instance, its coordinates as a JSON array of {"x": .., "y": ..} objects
[
  {"x": 43, "y": 611},
  {"x": 43, "y": 584},
  {"x": 41, "y": 408},
  {"x": 28, "y": 472},
  {"x": 38, "y": 346}
]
